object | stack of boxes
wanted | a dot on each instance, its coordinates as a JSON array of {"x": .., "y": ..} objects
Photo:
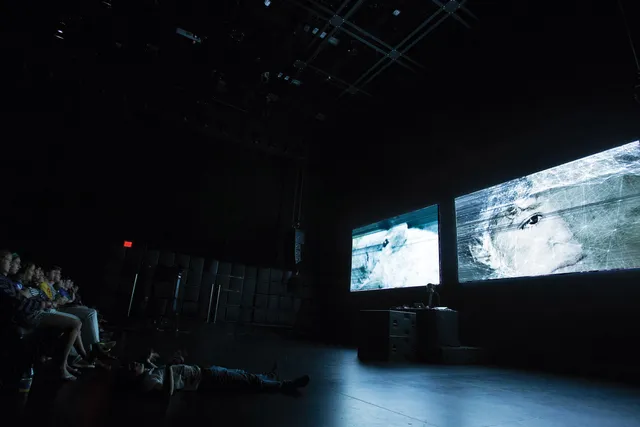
[{"x": 387, "y": 335}]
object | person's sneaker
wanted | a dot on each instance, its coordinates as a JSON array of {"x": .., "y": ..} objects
[
  {"x": 83, "y": 364},
  {"x": 292, "y": 386},
  {"x": 66, "y": 376},
  {"x": 107, "y": 346}
]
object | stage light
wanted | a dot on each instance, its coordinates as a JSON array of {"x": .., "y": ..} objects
[
  {"x": 128, "y": 244},
  {"x": 189, "y": 35},
  {"x": 396, "y": 12},
  {"x": 59, "y": 34},
  {"x": 267, "y": 3}
]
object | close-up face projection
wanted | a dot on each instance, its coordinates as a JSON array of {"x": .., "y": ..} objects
[
  {"x": 578, "y": 217},
  {"x": 398, "y": 252}
]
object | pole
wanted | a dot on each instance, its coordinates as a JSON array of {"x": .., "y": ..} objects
[
  {"x": 133, "y": 291},
  {"x": 213, "y": 287},
  {"x": 215, "y": 318}
]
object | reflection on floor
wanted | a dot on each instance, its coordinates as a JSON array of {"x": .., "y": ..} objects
[{"x": 343, "y": 392}]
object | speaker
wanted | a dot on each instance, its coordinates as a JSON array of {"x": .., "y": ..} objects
[{"x": 294, "y": 248}]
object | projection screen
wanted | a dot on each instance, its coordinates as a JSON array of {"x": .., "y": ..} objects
[
  {"x": 578, "y": 217},
  {"x": 399, "y": 252}
]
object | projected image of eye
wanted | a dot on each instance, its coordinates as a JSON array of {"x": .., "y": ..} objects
[
  {"x": 577, "y": 217},
  {"x": 531, "y": 221},
  {"x": 398, "y": 252}
]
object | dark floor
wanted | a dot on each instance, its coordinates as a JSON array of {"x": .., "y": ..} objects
[{"x": 343, "y": 391}]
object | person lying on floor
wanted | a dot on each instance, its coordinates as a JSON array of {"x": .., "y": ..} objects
[{"x": 177, "y": 375}]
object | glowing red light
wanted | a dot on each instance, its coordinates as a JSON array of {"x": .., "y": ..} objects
[{"x": 128, "y": 244}]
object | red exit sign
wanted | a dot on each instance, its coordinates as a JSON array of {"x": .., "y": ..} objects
[{"x": 128, "y": 244}]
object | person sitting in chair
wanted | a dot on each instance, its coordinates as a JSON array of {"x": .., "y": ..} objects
[{"x": 177, "y": 375}]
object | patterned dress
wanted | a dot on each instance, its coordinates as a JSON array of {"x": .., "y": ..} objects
[{"x": 16, "y": 308}]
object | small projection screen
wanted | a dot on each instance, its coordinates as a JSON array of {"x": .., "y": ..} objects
[
  {"x": 398, "y": 252},
  {"x": 577, "y": 217}
]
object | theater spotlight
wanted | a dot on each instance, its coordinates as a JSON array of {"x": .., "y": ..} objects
[
  {"x": 267, "y": 3},
  {"x": 188, "y": 34},
  {"x": 59, "y": 34}
]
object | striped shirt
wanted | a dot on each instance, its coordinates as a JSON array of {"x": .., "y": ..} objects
[
  {"x": 23, "y": 310},
  {"x": 185, "y": 377},
  {"x": 35, "y": 292}
]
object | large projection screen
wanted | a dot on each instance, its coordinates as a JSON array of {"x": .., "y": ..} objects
[
  {"x": 399, "y": 252},
  {"x": 578, "y": 217}
]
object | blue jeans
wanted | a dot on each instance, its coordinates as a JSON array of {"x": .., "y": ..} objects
[{"x": 219, "y": 378}]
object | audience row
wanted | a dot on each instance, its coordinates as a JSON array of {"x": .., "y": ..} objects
[{"x": 34, "y": 299}]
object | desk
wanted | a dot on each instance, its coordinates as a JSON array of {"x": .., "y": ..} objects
[
  {"x": 387, "y": 335},
  {"x": 406, "y": 334}
]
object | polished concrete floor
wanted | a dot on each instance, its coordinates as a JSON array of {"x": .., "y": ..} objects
[{"x": 343, "y": 391}]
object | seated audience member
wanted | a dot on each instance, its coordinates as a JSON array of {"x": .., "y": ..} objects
[
  {"x": 62, "y": 288},
  {"x": 74, "y": 289},
  {"x": 105, "y": 345},
  {"x": 36, "y": 282},
  {"x": 46, "y": 285},
  {"x": 88, "y": 316},
  {"x": 177, "y": 375},
  {"x": 31, "y": 313},
  {"x": 69, "y": 292},
  {"x": 39, "y": 284},
  {"x": 16, "y": 263},
  {"x": 23, "y": 280}
]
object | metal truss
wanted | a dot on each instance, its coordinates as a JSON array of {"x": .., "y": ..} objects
[{"x": 339, "y": 21}]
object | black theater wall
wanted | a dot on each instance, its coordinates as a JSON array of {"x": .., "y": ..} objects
[
  {"x": 558, "y": 96},
  {"x": 78, "y": 184},
  {"x": 580, "y": 315}
]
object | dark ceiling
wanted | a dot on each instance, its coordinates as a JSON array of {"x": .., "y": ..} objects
[
  {"x": 264, "y": 72},
  {"x": 280, "y": 75}
]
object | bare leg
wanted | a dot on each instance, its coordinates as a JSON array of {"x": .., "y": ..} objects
[
  {"x": 90, "y": 331},
  {"x": 71, "y": 329},
  {"x": 79, "y": 346},
  {"x": 90, "y": 327}
]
